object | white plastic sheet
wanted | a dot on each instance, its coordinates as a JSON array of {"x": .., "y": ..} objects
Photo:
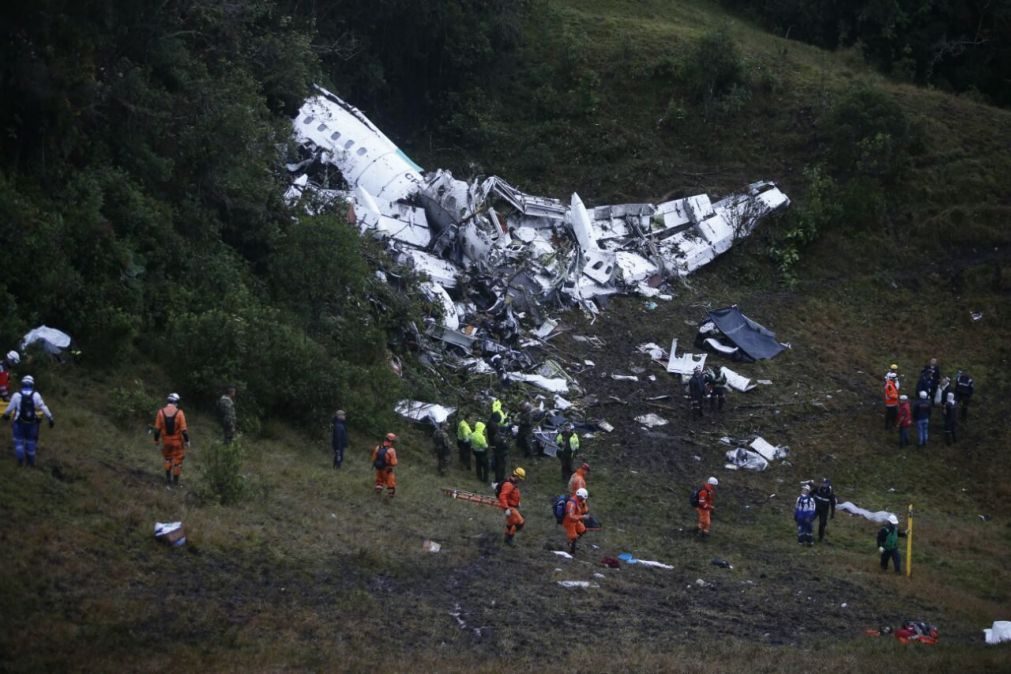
[
  {"x": 736, "y": 381},
  {"x": 881, "y": 516},
  {"x": 53, "y": 341}
]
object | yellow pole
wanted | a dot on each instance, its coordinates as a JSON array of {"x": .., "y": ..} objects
[{"x": 909, "y": 541}]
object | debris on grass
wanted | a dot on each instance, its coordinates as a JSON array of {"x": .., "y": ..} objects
[
  {"x": 431, "y": 546},
  {"x": 722, "y": 563},
  {"x": 1000, "y": 631},
  {"x": 651, "y": 420},
  {"x": 629, "y": 559},
  {"x": 170, "y": 533},
  {"x": 576, "y": 583}
]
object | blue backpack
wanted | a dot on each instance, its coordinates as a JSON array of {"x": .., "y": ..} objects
[{"x": 558, "y": 507}]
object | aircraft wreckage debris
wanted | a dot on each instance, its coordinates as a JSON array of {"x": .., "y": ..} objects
[{"x": 497, "y": 259}]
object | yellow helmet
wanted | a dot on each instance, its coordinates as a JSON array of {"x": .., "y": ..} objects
[{"x": 520, "y": 473}]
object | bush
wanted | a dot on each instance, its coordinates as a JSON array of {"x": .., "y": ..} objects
[
  {"x": 715, "y": 75},
  {"x": 222, "y": 480},
  {"x": 130, "y": 407},
  {"x": 818, "y": 210},
  {"x": 869, "y": 136}
]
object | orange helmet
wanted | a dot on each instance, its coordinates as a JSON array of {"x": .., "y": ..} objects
[{"x": 391, "y": 436}]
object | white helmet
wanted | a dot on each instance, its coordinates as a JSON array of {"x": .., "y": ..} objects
[
  {"x": 13, "y": 357},
  {"x": 173, "y": 397},
  {"x": 582, "y": 493},
  {"x": 892, "y": 519},
  {"x": 713, "y": 481},
  {"x": 28, "y": 380}
]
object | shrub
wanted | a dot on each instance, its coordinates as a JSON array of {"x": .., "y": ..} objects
[
  {"x": 869, "y": 135},
  {"x": 222, "y": 480}
]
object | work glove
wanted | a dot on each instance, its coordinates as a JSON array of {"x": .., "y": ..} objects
[
  {"x": 509, "y": 512},
  {"x": 881, "y": 551},
  {"x": 52, "y": 422}
]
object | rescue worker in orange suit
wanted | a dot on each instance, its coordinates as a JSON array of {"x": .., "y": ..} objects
[
  {"x": 384, "y": 460},
  {"x": 576, "y": 512},
  {"x": 891, "y": 400},
  {"x": 170, "y": 427},
  {"x": 509, "y": 501},
  {"x": 578, "y": 479},
  {"x": 705, "y": 508}
]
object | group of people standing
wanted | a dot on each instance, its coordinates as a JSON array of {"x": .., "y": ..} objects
[
  {"x": 952, "y": 396},
  {"x": 496, "y": 434}
]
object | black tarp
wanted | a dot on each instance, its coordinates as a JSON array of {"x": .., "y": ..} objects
[{"x": 755, "y": 341}]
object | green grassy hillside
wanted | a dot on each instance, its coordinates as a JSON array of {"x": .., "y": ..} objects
[{"x": 309, "y": 571}]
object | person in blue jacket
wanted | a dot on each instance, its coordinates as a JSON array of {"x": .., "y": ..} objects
[
  {"x": 27, "y": 408},
  {"x": 804, "y": 513}
]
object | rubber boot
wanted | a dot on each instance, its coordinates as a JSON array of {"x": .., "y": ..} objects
[
  {"x": 175, "y": 480},
  {"x": 168, "y": 477},
  {"x": 572, "y": 548},
  {"x": 508, "y": 540}
]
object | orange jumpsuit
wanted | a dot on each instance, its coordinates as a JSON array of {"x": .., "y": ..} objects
[
  {"x": 577, "y": 481},
  {"x": 509, "y": 499},
  {"x": 385, "y": 478},
  {"x": 173, "y": 445},
  {"x": 575, "y": 510},
  {"x": 705, "y": 507}
]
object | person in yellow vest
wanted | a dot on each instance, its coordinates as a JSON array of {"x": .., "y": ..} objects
[
  {"x": 463, "y": 431},
  {"x": 568, "y": 444},
  {"x": 499, "y": 437},
  {"x": 170, "y": 428},
  {"x": 479, "y": 445}
]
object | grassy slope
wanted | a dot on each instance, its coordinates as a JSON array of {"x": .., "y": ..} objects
[{"x": 311, "y": 573}]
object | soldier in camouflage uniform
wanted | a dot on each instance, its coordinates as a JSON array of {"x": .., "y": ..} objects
[
  {"x": 226, "y": 411},
  {"x": 442, "y": 448}
]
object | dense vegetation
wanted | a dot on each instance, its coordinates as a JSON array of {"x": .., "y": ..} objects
[
  {"x": 957, "y": 45},
  {"x": 141, "y": 177}
]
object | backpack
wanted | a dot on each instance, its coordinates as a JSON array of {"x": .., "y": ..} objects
[
  {"x": 558, "y": 507},
  {"x": 170, "y": 423},
  {"x": 380, "y": 461},
  {"x": 26, "y": 410},
  {"x": 498, "y": 488},
  {"x": 693, "y": 500}
]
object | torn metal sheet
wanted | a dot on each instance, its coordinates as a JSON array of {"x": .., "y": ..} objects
[
  {"x": 686, "y": 362},
  {"x": 768, "y": 451},
  {"x": 651, "y": 420},
  {"x": 421, "y": 411},
  {"x": 557, "y": 385},
  {"x": 745, "y": 459},
  {"x": 437, "y": 294},
  {"x": 655, "y": 351},
  {"x": 736, "y": 381}
]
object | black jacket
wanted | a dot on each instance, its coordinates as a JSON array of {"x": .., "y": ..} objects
[
  {"x": 824, "y": 498},
  {"x": 339, "y": 437}
]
